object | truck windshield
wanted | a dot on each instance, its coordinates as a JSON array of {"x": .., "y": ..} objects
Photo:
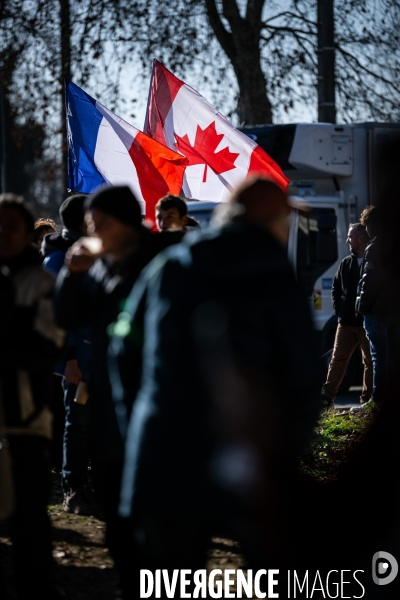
[{"x": 316, "y": 245}]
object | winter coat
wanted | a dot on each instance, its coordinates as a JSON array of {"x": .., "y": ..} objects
[
  {"x": 228, "y": 372},
  {"x": 30, "y": 346},
  {"x": 54, "y": 248},
  {"x": 344, "y": 291},
  {"x": 377, "y": 292}
]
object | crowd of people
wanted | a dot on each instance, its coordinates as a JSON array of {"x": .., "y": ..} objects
[{"x": 188, "y": 366}]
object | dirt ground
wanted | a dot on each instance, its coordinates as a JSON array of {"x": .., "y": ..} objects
[{"x": 84, "y": 568}]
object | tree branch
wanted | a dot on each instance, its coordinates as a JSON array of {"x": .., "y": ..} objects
[
  {"x": 223, "y": 36},
  {"x": 288, "y": 13},
  {"x": 254, "y": 12},
  {"x": 366, "y": 70}
]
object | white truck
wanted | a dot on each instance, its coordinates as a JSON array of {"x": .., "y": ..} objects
[{"x": 333, "y": 174}]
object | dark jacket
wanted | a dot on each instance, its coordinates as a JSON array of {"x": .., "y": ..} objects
[
  {"x": 95, "y": 300},
  {"x": 377, "y": 292},
  {"x": 344, "y": 291},
  {"x": 29, "y": 346},
  {"x": 228, "y": 366},
  {"x": 54, "y": 248}
]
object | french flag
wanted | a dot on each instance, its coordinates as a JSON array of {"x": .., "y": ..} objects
[{"x": 103, "y": 149}]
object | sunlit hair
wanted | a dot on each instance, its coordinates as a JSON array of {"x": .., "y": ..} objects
[
  {"x": 370, "y": 215},
  {"x": 41, "y": 225},
  {"x": 48, "y": 223}
]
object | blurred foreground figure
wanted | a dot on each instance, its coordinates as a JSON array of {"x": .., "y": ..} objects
[
  {"x": 91, "y": 291},
  {"x": 228, "y": 396},
  {"x": 30, "y": 344}
]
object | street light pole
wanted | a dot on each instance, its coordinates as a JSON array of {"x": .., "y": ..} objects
[
  {"x": 326, "y": 62},
  {"x": 3, "y": 158},
  {"x": 65, "y": 19}
]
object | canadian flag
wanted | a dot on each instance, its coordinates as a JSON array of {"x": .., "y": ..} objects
[
  {"x": 105, "y": 149},
  {"x": 219, "y": 156}
]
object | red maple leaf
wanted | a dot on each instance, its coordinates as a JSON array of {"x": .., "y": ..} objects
[{"x": 203, "y": 150}]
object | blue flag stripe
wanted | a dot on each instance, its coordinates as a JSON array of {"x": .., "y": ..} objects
[{"x": 84, "y": 121}]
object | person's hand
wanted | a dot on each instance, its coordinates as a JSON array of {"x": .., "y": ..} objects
[
  {"x": 79, "y": 258},
  {"x": 72, "y": 372}
]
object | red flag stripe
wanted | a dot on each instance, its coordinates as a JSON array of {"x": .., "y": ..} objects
[
  {"x": 164, "y": 86},
  {"x": 262, "y": 164},
  {"x": 159, "y": 170}
]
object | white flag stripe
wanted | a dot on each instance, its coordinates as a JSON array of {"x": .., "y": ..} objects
[
  {"x": 125, "y": 131},
  {"x": 190, "y": 110},
  {"x": 112, "y": 159}
]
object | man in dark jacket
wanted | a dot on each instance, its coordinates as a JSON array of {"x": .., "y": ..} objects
[
  {"x": 378, "y": 301},
  {"x": 228, "y": 396},
  {"x": 350, "y": 333}
]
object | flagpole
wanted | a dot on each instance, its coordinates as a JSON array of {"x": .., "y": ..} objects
[
  {"x": 148, "y": 97},
  {"x": 65, "y": 41},
  {"x": 3, "y": 174}
]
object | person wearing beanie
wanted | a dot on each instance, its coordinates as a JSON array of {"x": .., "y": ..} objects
[
  {"x": 228, "y": 392},
  {"x": 91, "y": 290}
]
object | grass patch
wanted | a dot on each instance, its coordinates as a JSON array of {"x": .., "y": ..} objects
[{"x": 334, "y": 437}]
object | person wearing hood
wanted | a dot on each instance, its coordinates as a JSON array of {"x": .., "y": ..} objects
[{"x": 55, "y": 245}]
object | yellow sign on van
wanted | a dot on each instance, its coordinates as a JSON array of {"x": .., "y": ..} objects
[{"x": 317, "y": 300}]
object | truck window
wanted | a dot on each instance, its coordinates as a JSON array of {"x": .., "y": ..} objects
[{"x": 316, "y": 245}]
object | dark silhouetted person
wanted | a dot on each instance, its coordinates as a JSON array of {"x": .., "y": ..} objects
[
  {"x": 228, "y": 394},
  {"x": 29, "y": 349},
  {"x": 378, "y": 301}
]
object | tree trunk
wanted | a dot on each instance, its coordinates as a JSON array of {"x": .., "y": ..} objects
[
  {"x": 254, "y": 107},
  {"x": 242, "y": 46},
  {"x": 65, "y": 74}
]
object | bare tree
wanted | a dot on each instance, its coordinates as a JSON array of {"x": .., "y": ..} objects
[
  {"x": 257, "y": 59},
  {"x": 272, "y": 50}
]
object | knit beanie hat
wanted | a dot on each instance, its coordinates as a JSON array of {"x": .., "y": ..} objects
[
  {"x": 117, "y": 201},
  {"x": 72, "y": 212}
]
